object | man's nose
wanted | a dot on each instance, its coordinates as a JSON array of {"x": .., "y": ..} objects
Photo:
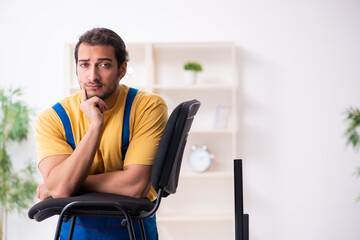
[{"x": 93, "y": 73}]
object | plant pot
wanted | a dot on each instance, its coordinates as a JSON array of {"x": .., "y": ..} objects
[{"x": 190, "y": 77}]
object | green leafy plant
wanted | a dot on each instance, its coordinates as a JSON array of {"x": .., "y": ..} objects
[
  {"x": 17, "y": 189},
  {"x": 194, "y": 66},
  {"x": 352, "y": 132}
]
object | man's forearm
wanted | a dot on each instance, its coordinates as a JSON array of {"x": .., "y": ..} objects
[
  {"x": 68, "y": 176},
  {"x": 133, "y": 181}
]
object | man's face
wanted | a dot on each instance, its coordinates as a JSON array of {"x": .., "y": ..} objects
[{"x": 97, "y": 70}]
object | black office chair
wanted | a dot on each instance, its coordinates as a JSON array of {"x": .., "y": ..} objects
[{"x": 164, "y": 178}]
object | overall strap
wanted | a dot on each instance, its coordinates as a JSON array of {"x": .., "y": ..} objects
[
  {"x": 126, "y": 121},
  {"x": 66, "y": 123},
  {"x": 125, "y": 144}
]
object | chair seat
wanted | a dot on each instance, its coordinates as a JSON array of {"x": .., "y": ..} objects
[
  {"x": 164, "y": 179},
  {"x": 54, "y": 206}
]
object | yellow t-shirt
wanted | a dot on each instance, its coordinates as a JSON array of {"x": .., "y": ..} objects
[{"x": 148, "y": 118}]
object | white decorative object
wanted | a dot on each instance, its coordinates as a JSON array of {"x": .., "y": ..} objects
[
  {"x": 200, "y": 158},
  {"x": 190, "y": 77},
  {"x": 222, "y": 117}
]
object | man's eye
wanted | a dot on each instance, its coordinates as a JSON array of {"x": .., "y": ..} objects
[
  {"x": 105, "y": 65},
  {"x": 83, "y": 65}
]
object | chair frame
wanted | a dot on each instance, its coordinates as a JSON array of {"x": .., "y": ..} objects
[
  {"x": 164, "y": 178},
  {"x": 66, "y": 214}
]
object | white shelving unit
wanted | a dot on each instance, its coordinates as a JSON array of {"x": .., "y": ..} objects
[{"x": 204, "y": 201}]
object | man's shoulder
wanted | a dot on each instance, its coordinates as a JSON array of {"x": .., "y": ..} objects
[
  {"x": 146, "y": 98},
  {"x": 67, "y": 103},
  {"x": 71, "y": 102}
]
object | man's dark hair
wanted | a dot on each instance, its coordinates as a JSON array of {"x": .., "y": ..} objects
[{"x": 104, "y": 36}]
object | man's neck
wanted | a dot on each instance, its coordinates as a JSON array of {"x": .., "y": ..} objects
[{"x": 111, "y": 101}]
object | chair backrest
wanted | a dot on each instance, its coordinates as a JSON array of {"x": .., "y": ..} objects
[{"x": 167, "y": 163}]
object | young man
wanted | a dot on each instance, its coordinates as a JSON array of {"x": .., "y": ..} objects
[{"x": 96, "y": 116}]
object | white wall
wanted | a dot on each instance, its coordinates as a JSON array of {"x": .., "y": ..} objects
[{"x": 298, "y": 71}]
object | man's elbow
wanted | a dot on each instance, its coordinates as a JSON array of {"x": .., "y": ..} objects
[
  {"x": 61, "y": 193},
  {"x": 140, "y": 191}
]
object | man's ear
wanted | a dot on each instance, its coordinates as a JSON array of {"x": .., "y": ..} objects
[{"x": 122, "y": 70}]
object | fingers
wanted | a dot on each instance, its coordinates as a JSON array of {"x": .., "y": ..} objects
[
  {"x": 102, "y": 106},
  {"x": 84, "y": 96},
  {"x": 94, "y": 108},
  {"x": 42, "y": 192},
  {"x": 98, "y": 103},
  {"x": 38, "y": 191}
]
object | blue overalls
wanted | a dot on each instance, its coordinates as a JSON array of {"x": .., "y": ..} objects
[{"x": 94, "y": 228}]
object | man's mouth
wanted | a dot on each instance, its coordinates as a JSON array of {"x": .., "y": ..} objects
[{"x": 93, "y": 86}]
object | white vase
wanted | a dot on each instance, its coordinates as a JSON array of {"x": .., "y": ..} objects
[{"x": 190, "y": 77}]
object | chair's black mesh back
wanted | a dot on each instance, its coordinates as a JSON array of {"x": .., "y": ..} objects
[{"x": 168, "y": 158}]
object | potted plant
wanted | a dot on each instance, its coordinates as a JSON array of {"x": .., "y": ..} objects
[
  {"x": 191, "y": 70},
  {"x": 17, "y": 189}
]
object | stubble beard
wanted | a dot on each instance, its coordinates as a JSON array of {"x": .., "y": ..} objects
[{"x": 107, "y": 94}]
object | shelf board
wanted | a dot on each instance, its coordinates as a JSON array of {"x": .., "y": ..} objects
[
  {"x": 220, "y": 174},
  {"x": 200, "y": 45},
  {"x": 213, "y": 131},
  {"x": 194, "y": 217},
  {"x": 194, "y": 87}
]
